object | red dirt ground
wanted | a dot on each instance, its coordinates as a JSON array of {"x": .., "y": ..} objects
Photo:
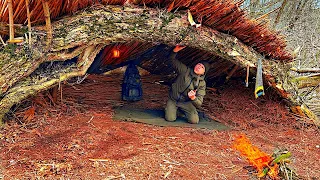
[{"x": 77, "y": 139}]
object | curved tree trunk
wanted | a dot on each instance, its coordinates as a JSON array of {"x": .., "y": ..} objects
[{"x": 86, "y": 33}]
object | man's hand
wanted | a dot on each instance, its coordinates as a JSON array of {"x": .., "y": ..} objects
[
  {"x": 178, "y": 48},
  {"x": 192, "y": 94}
]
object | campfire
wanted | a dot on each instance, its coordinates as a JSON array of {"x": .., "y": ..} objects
[{"x": 272, "y": 166}]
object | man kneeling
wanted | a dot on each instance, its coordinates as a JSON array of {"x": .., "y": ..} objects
[{"x": 188, "y": 90}]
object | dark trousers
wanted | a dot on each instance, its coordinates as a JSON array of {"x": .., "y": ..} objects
[{"x": 187, "y": 107}]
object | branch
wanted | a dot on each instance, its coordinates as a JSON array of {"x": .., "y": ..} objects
[
  {"x": 46, "y": 11},
  {"x": 310, "y": 114},
  {"x": 17, "y": 94},
  {"x": 305, "y": 70},
  {"x": 280, "y": 12},
  {"x": 307, "y": 81}
]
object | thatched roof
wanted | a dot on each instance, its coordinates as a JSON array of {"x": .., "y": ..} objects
[{"x": 224, "y": 16}]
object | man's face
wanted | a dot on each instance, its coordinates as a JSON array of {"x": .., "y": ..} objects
[{"x": 199, "y": 69}]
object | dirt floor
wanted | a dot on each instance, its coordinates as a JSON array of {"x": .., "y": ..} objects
[{"x": 78, "y": 139}]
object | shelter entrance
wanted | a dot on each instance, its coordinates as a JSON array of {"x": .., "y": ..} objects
[{"x": 226, "y": 103}]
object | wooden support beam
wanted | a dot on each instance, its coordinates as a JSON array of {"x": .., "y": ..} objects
[
  {"x": 232, "y": 72},
  {"x": 11, "y": 25},
  {"x": 54, "y": 94},
  {"x": 11, "y": 28},
  {"x": 46, "y": 11},
  {"x": 29, "y": 21}
]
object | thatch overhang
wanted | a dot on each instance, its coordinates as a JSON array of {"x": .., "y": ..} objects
[
  {"x": 227, "y": 38},
  {"x": 223, "y": 16}
]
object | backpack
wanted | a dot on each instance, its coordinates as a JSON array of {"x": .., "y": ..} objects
[{"x": 131, "y": 86}]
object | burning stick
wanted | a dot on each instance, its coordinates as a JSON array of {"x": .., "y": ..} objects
[{"x": 273, "y": 166}]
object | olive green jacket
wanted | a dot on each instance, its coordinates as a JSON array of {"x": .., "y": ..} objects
[{"x": 186, "y": 81}]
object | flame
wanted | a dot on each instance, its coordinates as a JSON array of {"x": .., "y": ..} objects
[
  {"x": 116, "y": 53},
  {"x": 257, "y": 158}
]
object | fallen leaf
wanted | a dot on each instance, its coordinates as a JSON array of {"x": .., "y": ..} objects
[{"x": 29, "y": 114}]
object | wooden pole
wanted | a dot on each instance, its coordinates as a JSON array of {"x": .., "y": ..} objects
[
  {"x": 54, "y": 94},
  {"x": 11, "y": 28},
  {"x": 29, "y": 21},
  {"x": 232, "y": 72},
  {"x": 46, "y": 11},
  {"x": 11, "y": 25},
  {"x": 247, "y": 77}
]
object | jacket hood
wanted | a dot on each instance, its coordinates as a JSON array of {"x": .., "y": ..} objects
[{"x": 206, "y": 65}]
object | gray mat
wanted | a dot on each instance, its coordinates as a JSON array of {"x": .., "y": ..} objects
[{"x": 156, "y": 117}]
